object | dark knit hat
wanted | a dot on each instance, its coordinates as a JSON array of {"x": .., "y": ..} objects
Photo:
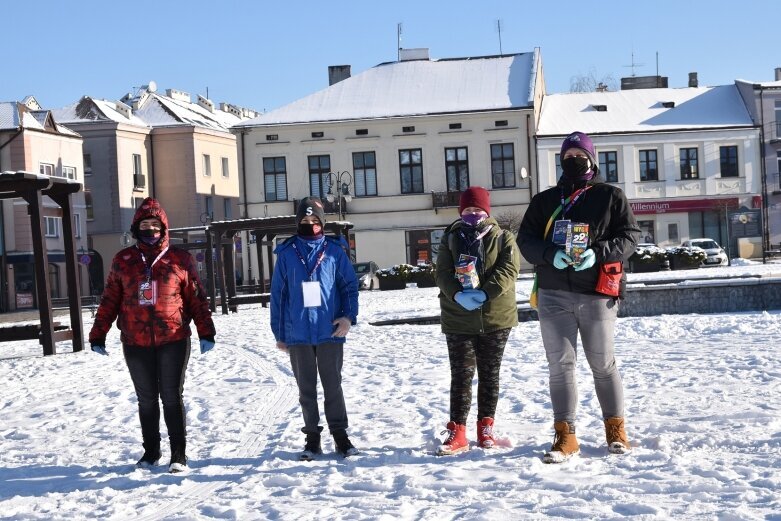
[
  {"x": 581, "y": 141},
  {"x": 476, "y": 196},
  {"x": 310, "y": 206}
]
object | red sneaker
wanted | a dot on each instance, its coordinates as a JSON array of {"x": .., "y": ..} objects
[
  {"x": 456, "y": 440},
  {"x": 485, "y": 433}
]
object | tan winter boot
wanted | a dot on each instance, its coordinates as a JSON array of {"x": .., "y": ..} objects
[
  {"x": 485, "y": 433},
  {"x": 565, "y": 444},
  {"x": 617, "y": 442},
  {"x": 456, "y": 440}
]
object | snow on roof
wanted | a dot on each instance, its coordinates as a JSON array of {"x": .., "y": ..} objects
[
  {"x": 763, "y": 84},
  {"x": 163, "y": 111},
  {"x": 92, "y": 109},
  {"x": 9, "y": 115},
  {"x": 643, "y": 110},
  {"x": 417, "y": 87}
]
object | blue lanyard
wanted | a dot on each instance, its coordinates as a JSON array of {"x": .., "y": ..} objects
[
  {"x": 570, "y": 201},
  {"x": 320, "y": 258}
]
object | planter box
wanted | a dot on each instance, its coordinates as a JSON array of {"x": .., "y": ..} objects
[
  {"x": 426, "y": 283},
  {"x": 390, "y": 284},
  {"x": 679, "y": 264},
  {"x": 644, "y": 267}
]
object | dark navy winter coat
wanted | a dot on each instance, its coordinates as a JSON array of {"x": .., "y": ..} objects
[{"x": 291, "y": 322}]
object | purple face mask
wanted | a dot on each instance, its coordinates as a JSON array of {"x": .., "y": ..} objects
[{"x": 473, "y": 219}]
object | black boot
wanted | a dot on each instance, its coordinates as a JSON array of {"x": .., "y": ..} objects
[
  {"x": 178, "y": 458},
  {"x": 343, "y": 444},
  {"x": 312, "y": 447},
  {"x": 151, "y": 455}
]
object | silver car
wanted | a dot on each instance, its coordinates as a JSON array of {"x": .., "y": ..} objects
[{"x": 716, "y": 254}]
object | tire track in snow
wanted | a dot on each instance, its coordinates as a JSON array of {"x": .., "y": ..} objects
[{"x": 272, "y": 416}]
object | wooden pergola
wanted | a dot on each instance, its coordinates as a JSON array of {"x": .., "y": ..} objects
[
  {"x": 32, "y": 188},
  {"x": 219, "y": 246}
]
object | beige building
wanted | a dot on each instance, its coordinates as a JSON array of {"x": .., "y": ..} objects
[
  {"x": 687, "y": 158},
  {"x": 32, "y": 140},
  {"x": 399, "y": 142},
  {"x": 164, "y": 146}
]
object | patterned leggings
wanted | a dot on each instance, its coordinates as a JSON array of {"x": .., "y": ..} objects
[{"x": 483, "y": 351}]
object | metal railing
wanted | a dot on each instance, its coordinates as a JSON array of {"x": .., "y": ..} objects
[{"x": 445, "y": 199}]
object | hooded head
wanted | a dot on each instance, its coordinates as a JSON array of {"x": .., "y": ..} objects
[
  {"x": 150, "y": 209},
  {"x": 310, "y": 207},
  {"x": 577, "y": 168}
]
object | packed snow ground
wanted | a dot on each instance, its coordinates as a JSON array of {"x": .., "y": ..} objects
[{"x": 703, "y": 397}]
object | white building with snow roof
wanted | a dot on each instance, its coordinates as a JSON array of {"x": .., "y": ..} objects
[
  {"x": 33, "y": 140},
  {"x": 165, "y": 146},
  {"x": 685, "y": 157},
  {"x": 403, "y": 140}
]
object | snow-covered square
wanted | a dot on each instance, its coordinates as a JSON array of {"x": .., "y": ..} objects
[{"x": 703, "y": 397}]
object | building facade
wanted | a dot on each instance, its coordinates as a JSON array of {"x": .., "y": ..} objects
[
  {"x": 391, "y": 150},
  {"x": 159, "y": 145},
  {"x": 763, "y": 100},
  {"x": 32, "y": 140},
  {"x": 688, "y": 159}
]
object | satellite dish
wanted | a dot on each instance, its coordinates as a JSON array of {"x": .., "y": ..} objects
[
  {"x": 125, "y": 239},
  {"x": 152, "y": 87},
  {"x": 524, "y": 173}
]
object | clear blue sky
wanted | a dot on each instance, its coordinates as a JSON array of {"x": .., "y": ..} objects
[{"x": 265, "y": 54}]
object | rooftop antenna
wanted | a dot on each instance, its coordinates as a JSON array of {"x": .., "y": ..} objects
[
  {"x": 633, "y": 65},
  {"x": 207, "y": 92},
  {"x": 398, "y": 41},
  {"x": 499, "y": 29}
]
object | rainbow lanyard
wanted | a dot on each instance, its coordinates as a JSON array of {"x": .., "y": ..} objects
[{"x": 566, "y": 204}]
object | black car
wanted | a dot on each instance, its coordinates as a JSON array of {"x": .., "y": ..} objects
[{"x": 366, "y": 272}]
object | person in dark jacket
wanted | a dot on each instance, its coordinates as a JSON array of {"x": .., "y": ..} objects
[
  {"x": 478, "y": 313},
  {"x": 154, "y": 292},
  {"x": 568, "y": 302},
  {"x": 314, "y": 301}
]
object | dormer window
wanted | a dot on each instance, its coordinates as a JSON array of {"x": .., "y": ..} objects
[
  {"x": 668, "y": 104},
  {"x": 599, "y": 108}
]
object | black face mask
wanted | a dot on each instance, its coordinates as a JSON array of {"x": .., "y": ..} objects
[
  {"x": 576, "y": 168},
  {"x": 308, "y": 229},
  {"x": 150, "y": 236}
]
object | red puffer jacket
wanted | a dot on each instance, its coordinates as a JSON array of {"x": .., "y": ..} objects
[{"x": 180, "y": 296}]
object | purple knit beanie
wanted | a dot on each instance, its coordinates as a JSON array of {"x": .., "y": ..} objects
[{"x": 581, "y": 141}]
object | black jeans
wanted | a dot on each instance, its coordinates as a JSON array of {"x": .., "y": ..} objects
[{"x": 158, "y": 374}]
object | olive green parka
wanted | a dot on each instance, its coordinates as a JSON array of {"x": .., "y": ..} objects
[{"x": 500, "y": 266}]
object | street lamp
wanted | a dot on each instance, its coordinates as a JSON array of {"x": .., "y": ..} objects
[{"x": 342, "y": 181}]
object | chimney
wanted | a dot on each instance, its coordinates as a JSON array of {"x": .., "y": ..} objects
[
  {"x": 420, "y": 53},
  {"x": 693, "y": 79},
  {"x": 337, "y": 73},
  {"x": 778, "y": 73}
]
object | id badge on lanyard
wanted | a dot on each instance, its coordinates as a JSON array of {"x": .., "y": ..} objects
[
  {"x": 311, "y": 290},
  {"x": 147, "y": 290}
]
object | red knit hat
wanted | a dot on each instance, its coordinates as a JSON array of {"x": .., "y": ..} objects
[{"x": 476, "y": 196}]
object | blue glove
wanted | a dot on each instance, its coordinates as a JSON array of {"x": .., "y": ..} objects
[
  {"x": 587, "y": 259},
  {"x": 206, "y": 345},
  {"x": 468, "y": 300},
  {"x": 561, "y": 260},
  {"x": 478, "y": 295},
  {"x": 99, "y": 349}
]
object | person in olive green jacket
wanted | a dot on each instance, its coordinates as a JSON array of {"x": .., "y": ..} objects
[{"x": 477, "y": 266}]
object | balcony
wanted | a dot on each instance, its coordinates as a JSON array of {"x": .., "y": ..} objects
[{"x": 445, "y": 199}]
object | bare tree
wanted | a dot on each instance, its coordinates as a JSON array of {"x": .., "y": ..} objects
[
  {"x": 589, "y": 82},
  {"x": 509, "y": 220}
]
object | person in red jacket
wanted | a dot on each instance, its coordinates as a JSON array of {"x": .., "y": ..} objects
[{"x": 153, "y": 292}]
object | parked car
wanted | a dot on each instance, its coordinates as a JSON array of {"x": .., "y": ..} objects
[
  {"x": 366, "y": 272},
  {"x": 715, "y": 253}
]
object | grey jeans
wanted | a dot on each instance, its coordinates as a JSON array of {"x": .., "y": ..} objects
[
  {"x": 562, "y": 315},
  {"x": 325, "y": 359}
]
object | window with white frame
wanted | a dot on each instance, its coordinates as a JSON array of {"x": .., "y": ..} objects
[
  {"x": 77, "y": 225},
  {"x": 46, "y": 169},
  {"x": 503, "y": 165},
  {"x": 689, "y": 163},
  {"x": 365, "y": 173},
  {"x": 274, "y": 178},
  {"x": 69, "y": 172},
  {"x": 137, "y": 164},
  {"x": 225, "y": 171},
  {"x": 207, "y": 165},
  {"x": 52, "y": 226}
]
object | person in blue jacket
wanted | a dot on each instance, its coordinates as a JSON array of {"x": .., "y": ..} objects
[{"x": 314, "y": 301}]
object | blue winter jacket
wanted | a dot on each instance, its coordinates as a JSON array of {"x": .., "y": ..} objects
[{"x": 291, "y": 322}]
